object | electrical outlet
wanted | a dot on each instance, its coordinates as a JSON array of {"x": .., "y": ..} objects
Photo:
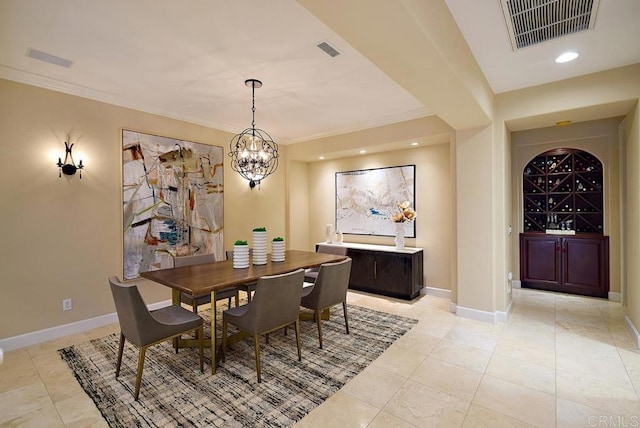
[{"x": 66, "y": 305}]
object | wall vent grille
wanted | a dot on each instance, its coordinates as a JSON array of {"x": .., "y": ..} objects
[
  {"x": 51, "y": 59},
  {"x": 535, "y": 21}
]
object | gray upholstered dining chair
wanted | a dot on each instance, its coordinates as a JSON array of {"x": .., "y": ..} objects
[
  {"x": 143, "y": 328},
  {"x": 329, "y": 289},
  {"x": 247, "y": 288},
  {"x": 311, "y": 274},
  {"x": 275, "y": 304},
  {"x": 198, "y": 259}
]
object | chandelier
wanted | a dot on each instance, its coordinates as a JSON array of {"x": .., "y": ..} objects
[{"x": 254, "y": 155}]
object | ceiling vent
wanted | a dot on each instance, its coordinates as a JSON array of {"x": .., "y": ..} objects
[
  {"x": 535, "y": 21},
  {"x": 328, "y": 49},
  {"x": 51, "y": 59}
]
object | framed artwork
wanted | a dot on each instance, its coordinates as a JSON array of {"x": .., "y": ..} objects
[
  {"x": 173, "y": 196},
  {"x": 367, "y": 199}
]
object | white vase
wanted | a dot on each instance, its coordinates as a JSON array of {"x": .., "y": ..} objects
[
  {"x": 240, "y": 256},
  {"x": 259, "y": 248},
  {"x": 277, "y": 251},
  {"x": 399, "y": 240},
  {"x": 329, "y": 233}
]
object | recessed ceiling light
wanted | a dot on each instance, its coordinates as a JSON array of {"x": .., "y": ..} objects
[
  {"x": 363, "y": 151},
  {"x": 566, "y": 57},
  {"x": 321, "y": 157},
  {"x": 415, "y": 143}
]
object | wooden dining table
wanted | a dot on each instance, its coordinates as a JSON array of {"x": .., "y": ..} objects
[{"x": 209, "y": 278}]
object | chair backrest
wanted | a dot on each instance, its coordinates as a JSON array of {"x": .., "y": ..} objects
[
  {"x": 276, "y": 301},
  {"x": 330, "y": 287},
  {"x": 196, "y": 259},
  {"x": 338, "y": 250},
  {"x": 327, "y": 249},
  {"x": 133, "y": 314}
]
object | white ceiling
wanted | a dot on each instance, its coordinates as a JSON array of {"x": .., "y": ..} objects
[
  {"x": 613, "y": 42},
  {"x": 188, "y": 60}
]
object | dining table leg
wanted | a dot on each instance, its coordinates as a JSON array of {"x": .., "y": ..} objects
[
  {"x": 175, "y": 300},
  {"x": 214, "y": 334}
]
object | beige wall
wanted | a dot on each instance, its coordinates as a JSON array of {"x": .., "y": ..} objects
[
  {"x": 476, "y": 214},
  {"x": 433, "y": 204},
  {"x": 62, "y": 237},
  {"x": 632, "y": 214},
  {"x": 599, "y": 138},
  {"x": 298, "y": 205}
]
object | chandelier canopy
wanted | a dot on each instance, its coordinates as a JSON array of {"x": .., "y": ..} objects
[{"x": 254, "y": 155}]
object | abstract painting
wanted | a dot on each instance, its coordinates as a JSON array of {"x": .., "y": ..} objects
[
  {"x": 172, "y": 201},
  {"x": 366, "y": 200}
]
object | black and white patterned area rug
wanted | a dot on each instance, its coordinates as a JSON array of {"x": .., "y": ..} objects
[{"x": 174, "y": 392}]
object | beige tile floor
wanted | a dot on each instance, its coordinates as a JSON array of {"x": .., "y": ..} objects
[{"x": 561, "y": 361}]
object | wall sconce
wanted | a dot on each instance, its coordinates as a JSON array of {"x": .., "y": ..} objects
[{"x": 68, "y": 167}]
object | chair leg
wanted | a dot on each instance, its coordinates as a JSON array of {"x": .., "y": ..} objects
[
  {"x": 298, "y": 338},
  {"x": 200, "y": 334},
  {"x": 346, "y": 318},
  {"x": 249, "y": 294},
  {"x": 237, "y": 298},
  {"x": 225, "y": 327},
  {"x": 229, "y": 303},
  {"x": 318, "y": 318},
  {"x": 256, "y": 345},
  {"x": 143, "y": 350},
  {"x": 120, "y": 349}
]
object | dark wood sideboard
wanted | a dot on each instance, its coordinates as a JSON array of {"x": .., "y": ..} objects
[
  {"x": 577, "y": 264},
  {"x": 385, "y": 270}
]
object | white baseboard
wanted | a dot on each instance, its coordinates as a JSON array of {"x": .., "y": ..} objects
[
  {"x": 503, "y": 316},
  {"x": 516, "y": 283},
  {"x": 633, "y": 330},
  {"x": 614, "y": 296},
  {"x": 33, "y": 338},
  {"x": 453, "y": 308},
  {"x": 484, "y": 316},
  {"x": 438, "y": 292}
]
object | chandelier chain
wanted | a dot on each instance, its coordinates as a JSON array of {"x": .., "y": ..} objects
[{"x": 253, "y": 105}]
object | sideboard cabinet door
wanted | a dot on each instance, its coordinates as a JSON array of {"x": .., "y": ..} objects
[
  {"x": 586, "y": 266},
  {"x": 394, "y": 274},
  {"x": 362, "y": 270},
  {"x": 540, "y": 260}
]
